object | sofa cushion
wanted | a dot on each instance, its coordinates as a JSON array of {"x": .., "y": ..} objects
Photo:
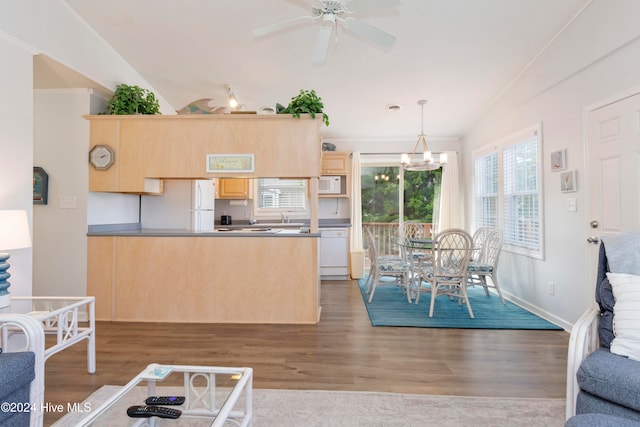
[
  {"x": 16, "y": 373},
  {"x": 600, "y": 420},
  {"x": 611, "y": 377},
  {"x": 605, "y": 300}
]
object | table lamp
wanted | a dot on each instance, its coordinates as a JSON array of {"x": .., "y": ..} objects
[{"x": 14, "y": 234}]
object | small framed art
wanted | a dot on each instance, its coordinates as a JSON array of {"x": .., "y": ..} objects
[
  {"x": 40, "y": 186},
  {"x": 559, "y": 160},
  {"x": 568, "y": 182},
  {"x": 233, "y": 163}
]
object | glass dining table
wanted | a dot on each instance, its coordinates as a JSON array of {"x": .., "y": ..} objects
[{"x": 417, "y": 252}]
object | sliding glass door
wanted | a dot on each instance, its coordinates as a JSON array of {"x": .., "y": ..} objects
[{"x": 391, "y": 195}]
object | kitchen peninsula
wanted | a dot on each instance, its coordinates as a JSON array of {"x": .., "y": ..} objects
[{"x": 174, "y": 275}]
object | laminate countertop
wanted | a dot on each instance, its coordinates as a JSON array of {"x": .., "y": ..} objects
[{"x": 240, "y": 229}]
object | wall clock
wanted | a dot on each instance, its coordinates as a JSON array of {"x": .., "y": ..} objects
[{"x": 101, "y": 156}]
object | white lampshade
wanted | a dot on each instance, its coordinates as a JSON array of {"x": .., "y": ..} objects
[{"x": 14, "y": 230}]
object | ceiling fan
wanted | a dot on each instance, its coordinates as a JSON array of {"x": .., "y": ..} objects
[{"x": 330, "y": 13}]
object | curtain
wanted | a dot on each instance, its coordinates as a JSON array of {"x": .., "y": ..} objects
[
  {"x": 356, "y": 204},
  {"x": 357, "y": 251},
  {"x": 448, "y": 211}
]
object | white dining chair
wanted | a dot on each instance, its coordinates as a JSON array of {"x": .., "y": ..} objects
[{"x": 487, "y": 265}]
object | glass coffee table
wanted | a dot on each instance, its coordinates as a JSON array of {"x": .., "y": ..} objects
[
  {"x": 214, "y": 396},
  {"x": 63, "y": 317}
]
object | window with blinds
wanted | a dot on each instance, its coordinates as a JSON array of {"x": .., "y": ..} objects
[
  {"x": 508, "y": 193},
  {"x": 486, "y": 190},
  {"x": 274, "y": 194},
  {"x": 521, "y": 195}
]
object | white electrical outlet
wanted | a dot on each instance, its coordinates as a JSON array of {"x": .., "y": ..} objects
[{"x": 551, "y": 288}]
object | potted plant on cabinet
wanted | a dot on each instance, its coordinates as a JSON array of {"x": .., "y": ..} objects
[
  {"x": 132, "y": 100},
  {"x": 306, "y": 102}
]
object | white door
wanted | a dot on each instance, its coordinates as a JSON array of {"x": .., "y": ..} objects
[{"x": 613, "y": 168}]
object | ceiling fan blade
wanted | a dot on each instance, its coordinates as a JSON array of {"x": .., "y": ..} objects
[
  {"x": 370, "y": 32},
  {"x": 322, "y": 44},
  {"x": 281, "y": 26},
  {"x": 360, "y": 6}
]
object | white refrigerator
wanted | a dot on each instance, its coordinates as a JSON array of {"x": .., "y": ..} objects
[{"x": 203, "y": 204}]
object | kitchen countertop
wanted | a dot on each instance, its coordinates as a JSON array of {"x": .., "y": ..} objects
[
  {"x": 221, "y": 231},
  {"x": 240, "y": 229}
]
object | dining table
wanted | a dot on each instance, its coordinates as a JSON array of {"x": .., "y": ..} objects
[{"x": 416, "y": 251}]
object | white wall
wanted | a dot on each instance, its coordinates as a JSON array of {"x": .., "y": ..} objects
[
  {"x": 29, "y": 27},
  {"x": 597, "y": 56},
  {"x": 16, "y": 146}
]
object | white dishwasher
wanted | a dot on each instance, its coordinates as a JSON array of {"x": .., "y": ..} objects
[{"x": 334, "y": 253}]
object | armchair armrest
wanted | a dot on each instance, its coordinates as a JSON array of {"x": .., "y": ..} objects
[
  {"x": 33, "y": 342},
  {"x": 582, "y": 342}
]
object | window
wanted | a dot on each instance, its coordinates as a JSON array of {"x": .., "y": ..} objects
[
  {"x": 508, "y": 193},
  {"x": 278, "y": 195},
  {"x": 486, "y": 190}
]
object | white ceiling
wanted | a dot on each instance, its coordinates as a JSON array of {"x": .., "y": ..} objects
[{"x": 460, "y": 55}]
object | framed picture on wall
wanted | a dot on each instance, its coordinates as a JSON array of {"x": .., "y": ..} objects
[
  {"x": 40, "y": 186},
  {"x": 559, "y": 160},
  {"x": 568, "y": 182}
]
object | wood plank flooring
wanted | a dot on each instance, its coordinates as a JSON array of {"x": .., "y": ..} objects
[{"x": 342, "y": 352}]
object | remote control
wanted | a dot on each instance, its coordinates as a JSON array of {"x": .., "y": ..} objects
[
  {"x": 153, "y": 411},
  {"x": 164, "y": 400}
]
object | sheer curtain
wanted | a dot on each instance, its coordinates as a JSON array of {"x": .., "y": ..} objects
[
  {"x": 357, "y": 251},
  {"x": 448, "y": 212}
]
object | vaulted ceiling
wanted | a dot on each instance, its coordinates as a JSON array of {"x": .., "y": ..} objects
[{"x": 459, "y": 55}]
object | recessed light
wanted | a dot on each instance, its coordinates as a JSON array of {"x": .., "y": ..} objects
[{"x": 393, "y": 107}]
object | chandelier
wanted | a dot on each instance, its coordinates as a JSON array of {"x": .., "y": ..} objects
[{"x": 428, "y": 162}]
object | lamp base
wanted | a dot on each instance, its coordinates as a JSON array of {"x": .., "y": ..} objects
[{"x": 5, "y": 300}]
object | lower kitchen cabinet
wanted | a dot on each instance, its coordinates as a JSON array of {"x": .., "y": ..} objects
[{"x": 334, "y": 252}]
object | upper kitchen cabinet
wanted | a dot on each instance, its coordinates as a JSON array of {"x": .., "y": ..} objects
[
  {"x": 148, "y": 148},
  {"x": 335, "y": 163},
  {"x": 234, "y": 188}
]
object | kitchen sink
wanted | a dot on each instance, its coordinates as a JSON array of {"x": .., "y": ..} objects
[{"x": 279, "y": 224}]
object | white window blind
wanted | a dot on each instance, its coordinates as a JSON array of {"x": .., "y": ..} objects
[
  {"x": 486, "y": 190},
  {"x": 508, "y": 191},
  {"x": 282, "y": 194},
  {"x": 521, "y": 194}
]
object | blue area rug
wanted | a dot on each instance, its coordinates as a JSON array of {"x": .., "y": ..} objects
[{"x": 391, "y": 308}]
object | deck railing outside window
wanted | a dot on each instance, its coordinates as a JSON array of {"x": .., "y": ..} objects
[{"x": 385, "y": 233}]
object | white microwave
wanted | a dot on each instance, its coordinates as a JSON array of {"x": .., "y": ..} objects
[{"x": 330, "y": 185}]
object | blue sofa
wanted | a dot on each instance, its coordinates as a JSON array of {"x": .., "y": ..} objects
[
  {"x": 21, "y": 372},
  {"x": 17, "y": 370},
  {"x": 603, "y": 388}
]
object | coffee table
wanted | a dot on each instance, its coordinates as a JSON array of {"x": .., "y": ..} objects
[
  {"x": 214, "y": 396},
  {"x": 59, "y": 316}
]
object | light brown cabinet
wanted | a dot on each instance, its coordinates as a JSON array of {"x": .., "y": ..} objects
[
  {"x": 234, "y": 188},
  {"x": 150, "y": 148},
  {"x": 335, "y": 163}
]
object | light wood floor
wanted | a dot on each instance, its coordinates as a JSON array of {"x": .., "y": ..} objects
[{"x": 342, "y": 352}]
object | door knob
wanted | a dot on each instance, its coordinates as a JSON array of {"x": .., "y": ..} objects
[
  {"x": 594, "y": 224},
  {"x": 594, "y": 240}
]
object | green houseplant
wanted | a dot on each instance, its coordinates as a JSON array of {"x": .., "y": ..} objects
[
  {"x": 306, "y": 102},
  {"x": 132, "y": 100}
]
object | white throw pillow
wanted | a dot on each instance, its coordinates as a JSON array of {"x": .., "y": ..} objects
[{"x": 626, "y": 315}]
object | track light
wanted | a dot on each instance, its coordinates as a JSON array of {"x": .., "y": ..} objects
[{"x": 233, "y": 101}]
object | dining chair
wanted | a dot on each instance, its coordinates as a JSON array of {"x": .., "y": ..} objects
[
  {"x": 385, "y": 266},
  {"x": 479, "y": 237},
  {"x": 487, "y": 265},
  {"x": 446, "y": 274},
  {"x": 406, "y": 231}
]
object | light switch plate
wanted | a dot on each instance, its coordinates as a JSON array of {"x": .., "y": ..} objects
[
  {"x": 68, "y": 202},
  {"x": 572, "y": 204}
]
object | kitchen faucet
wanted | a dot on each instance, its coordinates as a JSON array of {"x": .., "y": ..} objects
[{"x": 283, "y": 217}]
